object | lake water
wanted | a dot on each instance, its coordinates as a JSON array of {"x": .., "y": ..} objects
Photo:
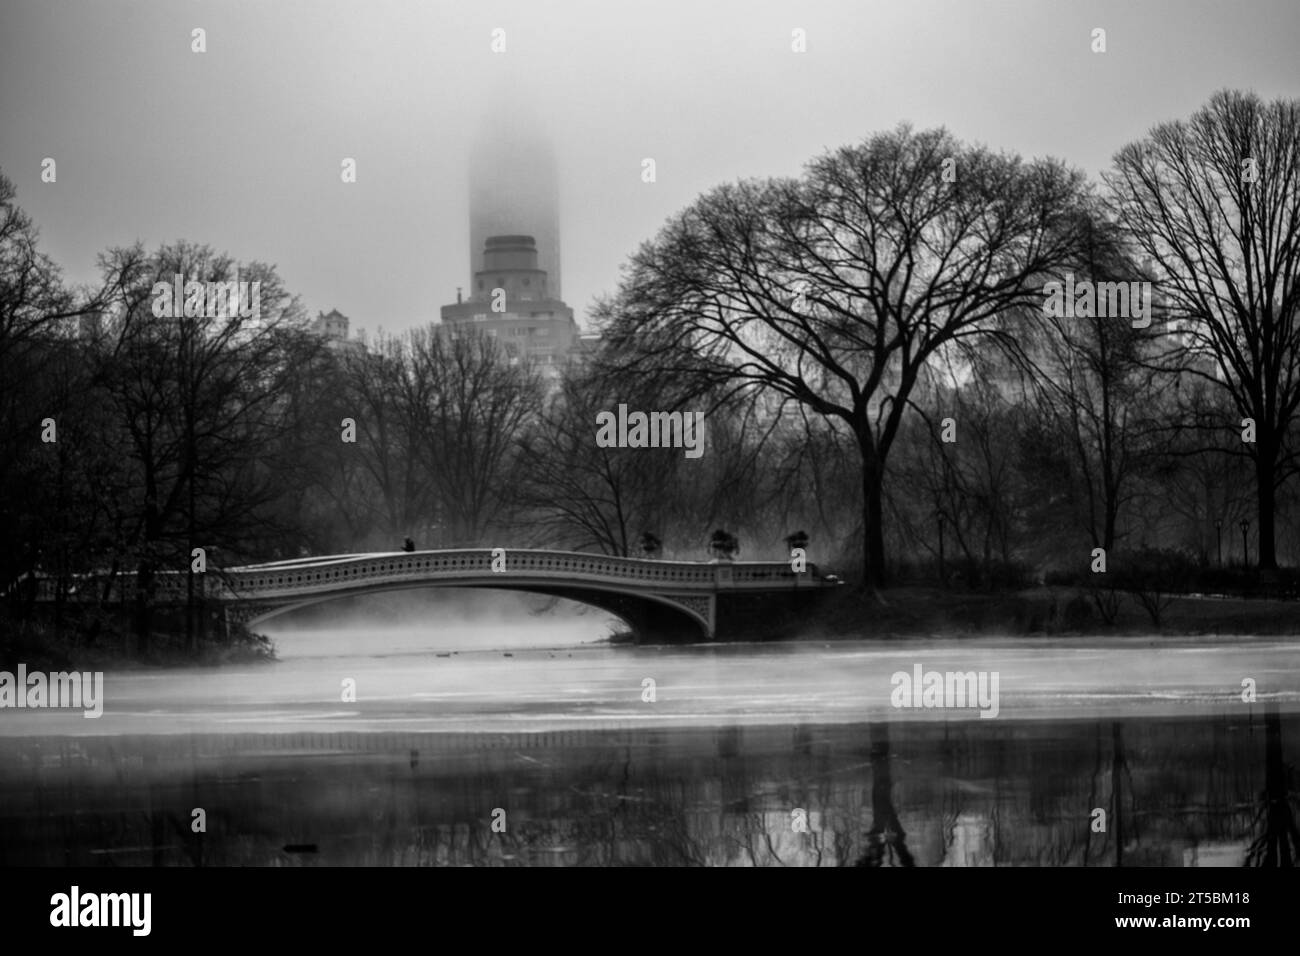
[{"x": 511, "y": 746}]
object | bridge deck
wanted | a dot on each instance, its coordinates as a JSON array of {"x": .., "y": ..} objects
[
  {"x": 328, "y": 573},
  {"x": 637, "y": 589}
]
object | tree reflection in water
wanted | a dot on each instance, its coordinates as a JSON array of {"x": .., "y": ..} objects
[
  {"x": 927, "y": 793},
  {"x": 886, "y": 839},
  {"x": 1279, "y": 843}
]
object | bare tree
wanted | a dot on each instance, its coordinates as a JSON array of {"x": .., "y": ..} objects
[
  {"x": 471, "y": 406},
  {"x": 1214, "y": 203},
  {"x": 588, "y": 497},
  {"x": 837, "y": 289},
  {"x": 1094, "y": 391},
  {"x": 439, "y": 417},
  {"x": 969, "y": 483},
  {"x": 33, "y": 303},
  {"x": 387, "y": 396},
  {"x": 197, "y": 401}
]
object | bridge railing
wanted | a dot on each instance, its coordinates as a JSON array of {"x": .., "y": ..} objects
[
  {"x": 450, "y": 565},
  {"x": 338, "y": 572}
]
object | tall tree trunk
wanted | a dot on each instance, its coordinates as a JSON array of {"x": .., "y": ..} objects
[
  {"x": 146, "y": 569},
  {"x": 143, "y": 608},
  {"x": 1108, "y": 532},
  {"x": 873, "y": 536},
  {"x": 1264, "y": 478}
]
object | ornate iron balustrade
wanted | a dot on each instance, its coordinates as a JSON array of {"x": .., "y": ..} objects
[{"x": 254, "y": 592}]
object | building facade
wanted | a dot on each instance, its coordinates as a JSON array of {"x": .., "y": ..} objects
[
  {"x": 332, "y": 326},
  {"x": 511, "y": 300}
]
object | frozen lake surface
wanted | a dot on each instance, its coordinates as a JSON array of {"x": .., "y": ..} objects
[
  {"x": 529, "y": 679},
  {"x": 513, "y": 747}
]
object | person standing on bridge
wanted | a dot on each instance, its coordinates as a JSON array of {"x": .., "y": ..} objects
[{"x": 409, "y": 546}]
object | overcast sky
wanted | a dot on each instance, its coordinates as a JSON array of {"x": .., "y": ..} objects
[{"x": 240, "y": 147}]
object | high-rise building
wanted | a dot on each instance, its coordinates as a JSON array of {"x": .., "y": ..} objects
[
  {"x": 511, "y": 300},
  {"x": 514, "y": 234},
  {"x": 513, "y": 190}
]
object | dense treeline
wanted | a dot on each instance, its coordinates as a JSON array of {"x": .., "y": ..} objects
[
  {"x": 909, "y": 295},
  {"x": 869, "y": 343}
]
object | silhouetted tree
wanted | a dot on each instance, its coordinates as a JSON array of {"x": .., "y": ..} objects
[
  {"x": 1214, "y": 204},
  {"x": 837, "y": 289},
  {"x": 1278, "y": 844},
  {"x": 583, "y": 496},
  {"x": 197, "y": 408}
]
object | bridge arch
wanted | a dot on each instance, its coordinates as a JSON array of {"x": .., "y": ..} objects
[{"x": 648, "y": 615}]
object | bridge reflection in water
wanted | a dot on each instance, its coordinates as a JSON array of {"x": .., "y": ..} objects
[
  {"x": 1176, "y": 791},
  {"x": 669, "y": 601}
]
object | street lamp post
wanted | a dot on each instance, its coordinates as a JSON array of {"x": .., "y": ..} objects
[{"x": 1245, "y": 556}]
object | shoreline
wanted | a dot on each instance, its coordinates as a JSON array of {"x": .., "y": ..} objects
[{"x": 899, "y": 615}]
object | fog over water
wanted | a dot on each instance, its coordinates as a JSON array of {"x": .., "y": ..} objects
[
  {"x": 491, "y": 661},
  {"x": 470, "y": 705}
]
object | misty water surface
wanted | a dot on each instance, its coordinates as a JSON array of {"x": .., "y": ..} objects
[{"x": 455, "y": 720}]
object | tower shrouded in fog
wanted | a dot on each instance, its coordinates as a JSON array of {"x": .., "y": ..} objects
[
  {"x": 514, "y": 254},
  {"x": 513, "y": 191}
]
